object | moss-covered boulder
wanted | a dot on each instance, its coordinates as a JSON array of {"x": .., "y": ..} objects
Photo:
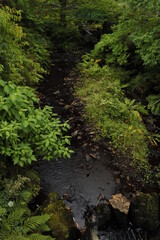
[
  {"x": 145, "y": 211},
  {"x": 103, "y": 214},
  {"x": 61, "y": 222}
]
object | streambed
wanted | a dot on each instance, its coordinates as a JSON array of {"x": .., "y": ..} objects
[{"x": 86, "y": 178}]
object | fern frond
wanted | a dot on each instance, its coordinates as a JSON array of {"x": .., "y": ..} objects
[
  {"x": 15, "y": 217},
  {"x": 37, "y": 236},
  {"x": 13, "y": 237},
  {"x": 3, "y": 234},
  {"x": 33, "y": 223},
  {"x": 44, "y": 228}
]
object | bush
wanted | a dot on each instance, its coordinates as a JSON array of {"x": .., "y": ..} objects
[
  {"x": 27, "y": 132},
  {"x": 24, "y": 53}
]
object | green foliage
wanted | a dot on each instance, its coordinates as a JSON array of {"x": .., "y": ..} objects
[
  {"x": 154, "y": 104},
  {"x": 139, "y": 26},
  {"x": 24, "y": 53},
  {"x": 117, "y": 117},
  {"x": 98, "y": 11},
  {"x": 20, "y": 224},
  {"x": 16, "y": 221},
  {"x": 16, "y": 188},
  {"x": 109, "y": 50},
  {"x": 27, "y": 132},
  {"x": 134, "y": 45}
]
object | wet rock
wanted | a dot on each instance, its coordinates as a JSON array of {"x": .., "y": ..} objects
[
  {"x": 75, "y": 133},
  {"x": 61, "y": 103},
  {"x": 103, "y": 214},
  {"x": 93, "y": 155},
  {"x": 145, "y": 211},
  {"x": 66, "y": 107},
  {"x": 57, "y": 92},
  {"x": 120, "y": 206},
  {"x": 79, "y": 137},
  {"x": 87, "y": 157},
  {"x": 61, "y": 223}
]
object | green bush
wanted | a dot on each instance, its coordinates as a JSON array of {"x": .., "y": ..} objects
[
  {"x": 24, "y": 53},
  {"x": 27, "y": 132}
]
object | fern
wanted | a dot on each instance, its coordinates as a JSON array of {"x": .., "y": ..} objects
[
  {"x": 18, "y": 224},
  {"x": 35, "y": 222},
  {"x": 37, "y": 236},
  {"x": 34, "y": 236},
  {"x": 15, "y": 217},
  {"x": 14, "y": 237}
]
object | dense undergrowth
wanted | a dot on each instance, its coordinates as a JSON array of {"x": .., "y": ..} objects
[
  {"x": 27, "y": 131},
  {"x": 116, "y": 116},
  {"x": 120, "y": 87}
]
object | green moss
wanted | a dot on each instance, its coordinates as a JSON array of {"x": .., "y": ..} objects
[
  {"x": 61, "y": 220},
  {"x": 145, "y": 211},
  {"x": 103, "y": 214}
]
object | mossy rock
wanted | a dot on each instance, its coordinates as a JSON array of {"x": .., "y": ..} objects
[
  {"x": 61, "y": 222},
  {"x": 103, "y": 214},
  {"x": 145, "y": 211}
]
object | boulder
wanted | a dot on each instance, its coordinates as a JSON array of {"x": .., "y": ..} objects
[
  {"x": 61, "y": 222},
  {"x": 145, "y": 211},
  {"x": 120, "y": 206}
]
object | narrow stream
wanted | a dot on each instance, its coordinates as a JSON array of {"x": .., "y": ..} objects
[
  {"x": 85, "y": 179},
  {"x": 78, "y": 186}
]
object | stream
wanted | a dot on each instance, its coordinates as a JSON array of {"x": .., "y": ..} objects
[{"x": 86, "y": 178}]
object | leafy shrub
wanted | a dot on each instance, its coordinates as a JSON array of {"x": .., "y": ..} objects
[
  {"x": 108, "y": 49},
  {"x": 154, "y": 104},
  {"x": 27, "y": 132},
  {"x": 23, "y": 54},
  {"x": 117, "y": 117}
]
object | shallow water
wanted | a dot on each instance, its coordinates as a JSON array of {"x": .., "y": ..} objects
[{"x": 81, "y": 183}]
